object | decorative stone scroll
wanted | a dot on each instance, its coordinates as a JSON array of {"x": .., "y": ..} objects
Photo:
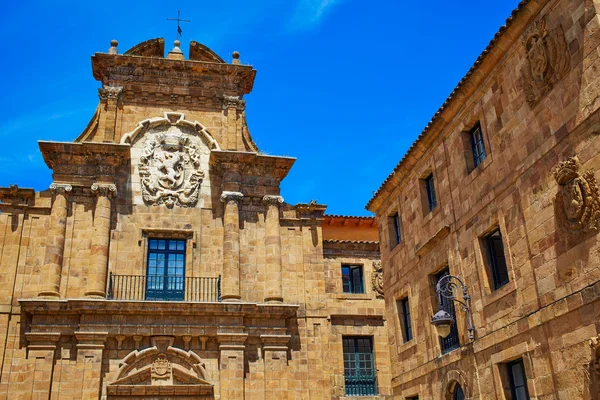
[
  {"x": 577, "y": 203},
  {"x": 377, "y": 279},
  {"x": 548, "y": 60},
  {"x": 169, "y": 170},
  {"x": 104, "y": 189},
  {"x": 270, "y": 199}
]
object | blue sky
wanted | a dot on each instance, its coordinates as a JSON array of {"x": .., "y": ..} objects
[{"x": 343, "y": 85}]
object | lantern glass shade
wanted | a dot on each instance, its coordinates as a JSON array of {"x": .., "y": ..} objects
[{"x": 442, "y": 320}]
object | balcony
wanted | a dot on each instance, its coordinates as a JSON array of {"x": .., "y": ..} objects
[{"x": 164, "y": 288}]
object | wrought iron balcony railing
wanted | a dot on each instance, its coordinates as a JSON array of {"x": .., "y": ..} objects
[
  {"x": 164, "y": 288},
  {"x": 361, "y": 385}
]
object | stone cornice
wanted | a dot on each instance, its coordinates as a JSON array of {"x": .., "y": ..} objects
[
  {"x": 483, "y": 66},
  {"x": 251, "y": 164},
  {"x": 14, "y": 195},
  {"x": 344, "y": 247},
  {"x": 69, "y": 160}
]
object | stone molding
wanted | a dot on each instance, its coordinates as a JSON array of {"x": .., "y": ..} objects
[
  {"x": 377, "y": 279},
  {"x": 42, "y": 340},
  {"x": 104, "y": 189},
  {"x": 110, "y": 92},
  {"x": 62, "y": 188},
  {"x": 548, "y": 60},
  {"x": 90, "y": 340},
  {"x": 577, "y": 202},
  {"x": 233, "y": 102},
  {"x": 231, "y": 196},
  {"x": 271, "y": 199},
  {"x": 275, "y": 342}
]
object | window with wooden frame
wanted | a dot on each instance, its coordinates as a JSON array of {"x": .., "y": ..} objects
[{"x": 395, "y": 233}]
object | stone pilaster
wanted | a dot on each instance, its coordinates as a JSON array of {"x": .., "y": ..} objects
[
  {"x": 41, "y": 350},
  {"x": 109, "y": 96},
  {"x": 273, "y": 291},
  {"x": 275, "y": 350},
  {"x": 100, "y": 240},
  {"x": 90, "y": 346},
  {"x": 230, "y": 290},
  {"x": 55, "y": 246},
  {"x": 231, "y": 348}
]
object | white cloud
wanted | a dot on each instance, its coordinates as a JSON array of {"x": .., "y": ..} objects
[{"x": 309, "y": 13}]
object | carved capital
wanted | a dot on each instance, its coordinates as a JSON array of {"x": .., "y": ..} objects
[
  {"x": 61, "y": 188},
  {"x": 227, "y": 196},
  {"x": 110, "y": 92},
  {"x": 377, "y": 279},
  {"x": 234, "y": 102},
  {"x": 270, "y": 199},
  {"x": 104, "y": 189}
]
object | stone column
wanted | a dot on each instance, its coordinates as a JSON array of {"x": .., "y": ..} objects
[
  {"x": 99, "y": 251},
  {"x": 55, "y": 244},
  {"x": 230, "y": 290},
  {"x": 273, "y": 292},
  {"x": 231, "y": 364}
]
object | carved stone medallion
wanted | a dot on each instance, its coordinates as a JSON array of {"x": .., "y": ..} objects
[
  {"x": 169, "y": 170},
  {"x": 377, "y": 279},
  {"x": 161, "y": 371},
  {"x": 548, "y": 60},
  {"x": 578, "y": 200}
]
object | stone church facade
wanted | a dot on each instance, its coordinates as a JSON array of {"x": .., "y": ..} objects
[
  {"x": 163, "y": 262},
  {"x": 500, "y": 194}
]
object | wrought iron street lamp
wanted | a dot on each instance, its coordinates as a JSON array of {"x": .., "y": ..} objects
[{"x": 448, "y": 287}]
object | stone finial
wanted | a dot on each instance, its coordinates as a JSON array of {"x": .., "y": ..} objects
[
  {"x": 176, "y": 53},
  {"x": 236, "y": 58},
  {"x": 113, "y": 47}
]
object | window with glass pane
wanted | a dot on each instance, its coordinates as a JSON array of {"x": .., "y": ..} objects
[
  {"x": 352, "y": 279},
  {"x": 394, "y": 229},
  {"x": 430, "y": 188},
  {"x": 459, "y": 394},
  {"x": 477, "y": 145},
  {"x": 165, "y": 277},
  {"x": 359, "y": 366},
  {"x": 406, "y": 323},
  {"x": 518, "y": 380},
  {"x": 451, "y": 341},
  {"x": 496, "y": 259}
]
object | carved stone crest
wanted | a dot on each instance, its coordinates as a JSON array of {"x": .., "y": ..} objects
[
  {"x": 577, "y": 203},
  {"x": 169, "y": 170},
  {"x": 595, "y": 363},
  {"x": 161, "y": 371},
  {"x": 548, "y": 60},
  {"x": 377, "y": 279}
]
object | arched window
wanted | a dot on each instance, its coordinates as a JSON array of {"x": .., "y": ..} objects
[{"x": 458, "y": 393}]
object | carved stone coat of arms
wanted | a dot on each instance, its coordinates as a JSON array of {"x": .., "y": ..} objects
[{"x": 169, "y": 170}]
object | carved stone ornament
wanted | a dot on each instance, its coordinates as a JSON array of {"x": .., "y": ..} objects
[
  {"x": 233, "y": 102},
  {"x": 110, "y": 92},
  {"x": 104, "y": 189},
  {"x": 169, "y": 170},
  {"x": 234, "y": 196},
  {"x": 62, "y": 188},
  {"x": 161, "y": 371},
  {"x": 270, "y": 199},
  {"x": 595, "y": 363},
  {"x": 548, "y": 60},
  {"x": 377, "y": 279},
  {"x": 577, "y": 203}
]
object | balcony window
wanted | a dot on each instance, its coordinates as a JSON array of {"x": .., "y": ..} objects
[
  {"x": 359, "y": 366},
  {"x": 166, "y": 269}
]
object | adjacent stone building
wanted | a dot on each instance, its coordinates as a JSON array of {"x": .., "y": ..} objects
[
  {"x": 163, "y": 262},
  {"x": 501, "y": 191}
]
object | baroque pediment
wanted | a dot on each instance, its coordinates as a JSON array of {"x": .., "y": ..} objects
[{"x": 162, "y": 365}]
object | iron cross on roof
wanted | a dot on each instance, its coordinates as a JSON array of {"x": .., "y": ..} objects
[{"x": 179, "y": 20}]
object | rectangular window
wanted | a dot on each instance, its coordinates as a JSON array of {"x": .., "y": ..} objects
[
  {"x": 352, "y": 279},
  {"x": 477, "y": 144},
  {"x": 404, "y": 309},
  {"x": 165, "y": 274},
  {"x": 394, "y": 230},
  {"x": 359, "y": 366},
  {"x": 430, "y": 189},
  {"x": 451, "y": 341},
  {"x": 518, "y": 380},
  {"x": 496, "y": 259}
]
